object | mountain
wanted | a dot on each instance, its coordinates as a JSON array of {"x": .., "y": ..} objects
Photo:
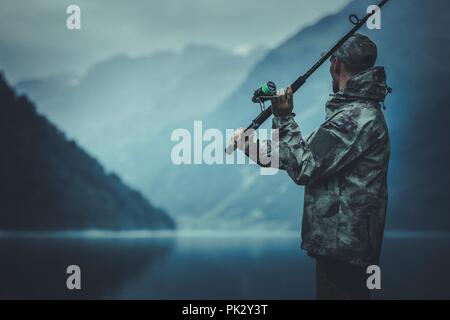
[
  {"x": 413, "y": 46},
  {"x": 50, "y": 183},
  {"x": 116, "y": 109}
]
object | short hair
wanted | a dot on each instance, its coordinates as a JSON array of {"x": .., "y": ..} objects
[{"x": 352, "y": 69}]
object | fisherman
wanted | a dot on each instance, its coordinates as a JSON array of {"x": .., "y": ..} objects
[{"x": 343, "y": 166}]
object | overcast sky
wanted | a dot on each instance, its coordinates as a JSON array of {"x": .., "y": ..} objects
[{"x": 35, "y": 42}]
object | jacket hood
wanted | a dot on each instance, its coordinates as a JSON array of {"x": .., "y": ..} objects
[{"x": 369, "y": 84}]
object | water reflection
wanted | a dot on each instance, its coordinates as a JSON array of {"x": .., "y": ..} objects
[
  {"x": 35, "y": 268},
  {"x": 210, "y": 265}
]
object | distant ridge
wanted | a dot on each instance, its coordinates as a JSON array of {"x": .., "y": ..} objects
[{"x": 49, "y": 183}]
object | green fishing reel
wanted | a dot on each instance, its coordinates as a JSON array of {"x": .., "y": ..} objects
[{"x": 267, "y": 91}]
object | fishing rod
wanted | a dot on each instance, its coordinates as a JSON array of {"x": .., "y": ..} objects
[{"x": 268, "y": 90}]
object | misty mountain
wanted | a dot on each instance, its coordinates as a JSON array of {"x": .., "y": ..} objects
[
  {"x": 414, "y": 51},
  {"x": 49, "y": 182},
  {"x": 115, "y": 110}
]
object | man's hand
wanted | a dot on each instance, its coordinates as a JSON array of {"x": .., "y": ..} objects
[
  {"x": 239, "y": 137},
  {"x": 283, "y": 104}
]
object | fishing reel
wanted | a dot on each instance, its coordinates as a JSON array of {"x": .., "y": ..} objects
[{"x": 266, "y": 92}]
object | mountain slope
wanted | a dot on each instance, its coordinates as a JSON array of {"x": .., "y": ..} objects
[
  {"x": 413, "y": 46},
  {"x": 49, "y": 183},
  {"x": 115, "y": 110}
]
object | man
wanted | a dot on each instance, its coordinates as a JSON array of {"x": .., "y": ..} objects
[{"x": 343, "y": 166}]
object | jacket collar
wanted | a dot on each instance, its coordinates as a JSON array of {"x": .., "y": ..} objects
[{"x": 369, "y": 85}]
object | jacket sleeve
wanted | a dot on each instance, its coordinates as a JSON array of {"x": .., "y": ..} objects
[{"x": 334, "y": 145}]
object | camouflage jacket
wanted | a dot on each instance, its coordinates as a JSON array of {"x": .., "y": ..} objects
[{"x": 343, "y": 166}]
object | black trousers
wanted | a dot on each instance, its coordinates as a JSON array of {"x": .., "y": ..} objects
[{"x": 338, "y": 280}]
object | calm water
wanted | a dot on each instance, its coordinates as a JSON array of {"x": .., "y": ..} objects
[{"x": 203, "y": 266}]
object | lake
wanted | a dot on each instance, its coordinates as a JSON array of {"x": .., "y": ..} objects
[{"x": 203, "y": 265}]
